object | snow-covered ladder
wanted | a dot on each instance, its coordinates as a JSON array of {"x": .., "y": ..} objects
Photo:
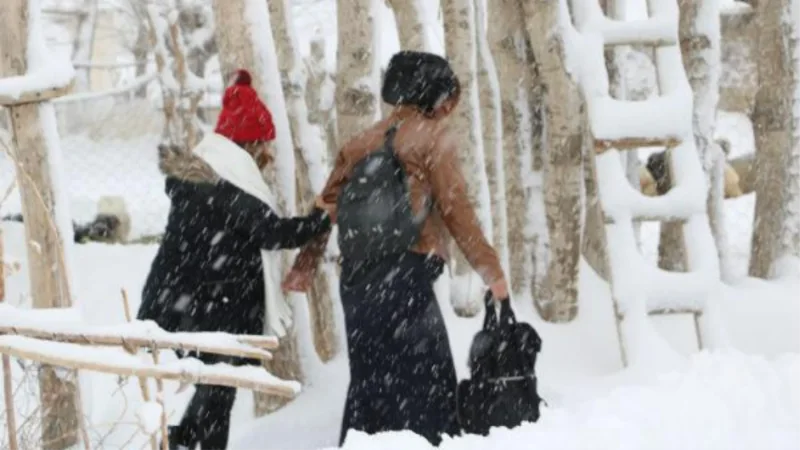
[{"x": 638, "y": 288}]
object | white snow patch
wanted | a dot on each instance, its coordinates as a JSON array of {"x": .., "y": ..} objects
[
  {"x": 149, "y": 417},
  {"x": 719, "y": 401},
  {"x": 46, "y": 70}
]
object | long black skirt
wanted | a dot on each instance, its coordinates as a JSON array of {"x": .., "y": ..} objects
[{"x": 402, "y": 375}]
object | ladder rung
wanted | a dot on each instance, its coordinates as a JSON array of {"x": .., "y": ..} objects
[
  {"x": 668, "y": 312},
  {"x": 653, "y": 32},
  {"x": 677, "y": 219},
  {"x": 644, "y": 41},
  {"x": 626, "y": 124},
  {"x": 672, "y": 311},
  {"x": 632, "y": 143}
]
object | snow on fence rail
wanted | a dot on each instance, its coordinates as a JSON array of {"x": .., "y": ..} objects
[
  {"x": 57, "y": 337},
  {"x": 187, "y": 371},
  {"x": 41, "y": 326}
]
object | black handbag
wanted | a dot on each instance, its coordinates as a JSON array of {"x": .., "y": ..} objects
[{"x": 501, "y": 390}]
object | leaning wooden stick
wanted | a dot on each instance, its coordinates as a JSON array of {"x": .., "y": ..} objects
[
  {"x": 8, "y": 393},
  {"x": 81, "y": 416},
  {"x": 160, "y": 400},
  {"x": 132, "y": 350},
  {"x": 2, "y": 269},
  {"x": 8, "y": 388}
]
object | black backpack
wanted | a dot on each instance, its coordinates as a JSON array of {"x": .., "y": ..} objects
[
  {"x": 374, "y": 213},
  {"x": 501, "y": 390}
]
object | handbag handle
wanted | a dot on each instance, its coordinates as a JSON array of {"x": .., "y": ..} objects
[
  {"x": 491, "y": 321},
  {"x": 507, "y": 315}
]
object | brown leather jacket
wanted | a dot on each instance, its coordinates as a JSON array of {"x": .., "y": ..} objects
[{"x": 429, "y": 155}]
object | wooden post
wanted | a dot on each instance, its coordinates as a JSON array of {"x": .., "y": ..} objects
[
  {"x": 8, "y": 388},
  {"x": 565, "y": 116},
  {"x": 49, "y": 286},
  {"x": 320, "y": 298},
  {"x": 776, "y": 140},
  {"x": 318, "y": 113},
  {"x": 2, "y": 269}
]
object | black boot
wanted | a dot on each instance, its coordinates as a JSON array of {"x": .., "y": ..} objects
[{"x": 179, "y": 439}]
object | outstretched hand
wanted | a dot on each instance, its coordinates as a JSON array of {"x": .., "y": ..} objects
[
  {"x": 327, "y": 207},
  {"x": 297, "y": 281},
  {"x": 499, "y": 289}
]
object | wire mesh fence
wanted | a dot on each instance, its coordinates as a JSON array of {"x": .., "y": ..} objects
[
  {"x": 109, "y": 143},
  {"x": 116, "y": 429}
]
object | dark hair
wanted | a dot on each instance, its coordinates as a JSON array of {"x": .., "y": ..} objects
[{"x": 419, "y": 79}]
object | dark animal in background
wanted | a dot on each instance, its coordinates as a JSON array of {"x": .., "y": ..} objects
[
  {"x": 658, "y": 166},
  {"x": 104, "y": 228},
  {"x": 654, "y": 177},
  {"x": 111, "y": 225}
]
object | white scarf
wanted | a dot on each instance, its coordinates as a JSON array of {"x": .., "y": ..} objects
[{"x": 236, "y": 166}]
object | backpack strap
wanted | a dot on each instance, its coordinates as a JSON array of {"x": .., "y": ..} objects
[
  {"x": 390, "y": 134},
  {"x": 388, "y": 145}
]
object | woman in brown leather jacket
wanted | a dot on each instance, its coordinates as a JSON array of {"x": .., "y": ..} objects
[{"x": 402, "y": 375}]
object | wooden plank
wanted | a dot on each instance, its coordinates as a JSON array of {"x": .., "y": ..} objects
[
  {"x": 632, "y": 143},
  {"x": 671, "y": 311},
  {"x": 78, "y": 357},
  {"x": 644, "y": 41},
  {"x": 163, "y": 343},
  {"x": 37, "y": 96},
  {"x": 49, "y": 284},
  {"x": 664, "y": 219}
]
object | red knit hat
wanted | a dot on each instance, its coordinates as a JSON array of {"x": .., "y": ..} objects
[{"x": 244, "y": 117}]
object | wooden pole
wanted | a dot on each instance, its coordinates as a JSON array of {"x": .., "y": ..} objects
[
  {"x": 142, "y": 381},
  {"x": 47, "y": 272},
  {"x": 2, "y": 269},
  {"x": 160, "y": 400},
  {"x": 8, "y": 388},
  {"x": 8, "y": 393}
]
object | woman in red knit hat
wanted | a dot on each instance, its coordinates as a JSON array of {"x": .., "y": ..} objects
[{"x": 214, "y": 270}]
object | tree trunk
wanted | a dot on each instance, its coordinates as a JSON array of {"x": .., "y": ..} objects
[
  {"x": 320, "y": 89},
  {"x": 564, "y": 133},
  {"x": 2, "y": 268},
  {"x": 491, "y": 119},
  {"x": 410, "y": 24},
  {"x": 84, "y": 42},
  {"x": 310, "y": 173},
  {"x": 700, "y": 47},
  {"x": 509, "y": 47},
  {"x": 739, "y": 73},
  {"x": 536, "y": 236},
  {"x": 775, "y": 228},
  {"x": 141, "y": 45},
  {"x": 36, "y": 149},
  {"x": 459, "y": 29},
  {"x": 356, "y": 80},
  {"x": 671, "y": 241},
  {"x": 244, "y": 38}
]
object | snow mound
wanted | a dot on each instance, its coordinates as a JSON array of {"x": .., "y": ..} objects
[{"x": 720, "y": 401}]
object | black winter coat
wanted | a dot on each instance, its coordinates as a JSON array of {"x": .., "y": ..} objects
[{"x": 208, "y": 273}]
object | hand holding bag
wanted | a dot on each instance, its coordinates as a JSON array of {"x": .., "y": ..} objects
[{"x": 501, "y": 390}]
